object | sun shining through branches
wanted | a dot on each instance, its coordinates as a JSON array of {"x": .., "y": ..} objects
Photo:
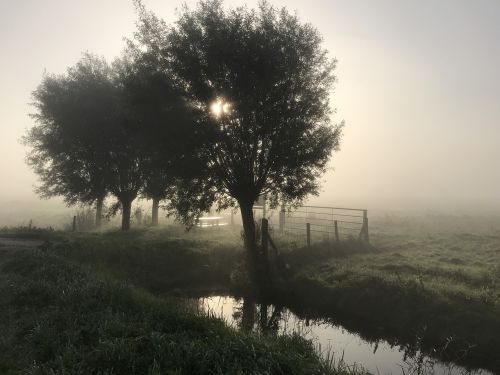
[{"x": 220, "y": 107}]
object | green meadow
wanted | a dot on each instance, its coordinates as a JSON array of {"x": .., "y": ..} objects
[{"x": 110, "y": 300}]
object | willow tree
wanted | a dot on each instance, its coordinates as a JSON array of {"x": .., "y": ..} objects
[
  {"x": 264, "y": 81},
  {"x": 68, "y": 150},
  {"x": 160, "y": 122}
]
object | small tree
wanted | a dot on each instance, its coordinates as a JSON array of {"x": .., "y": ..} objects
[
  {"x": 68, "y": 151},
  {"x": 263, "y": 81},
  {"x": 161, "y": 121}
]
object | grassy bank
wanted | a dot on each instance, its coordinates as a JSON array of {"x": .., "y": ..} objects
[
  {"x": 29, "y": 233},
  {"x": 431, "y": 284},
  {"x": 57, "y": 318},
  {"x": 167, "y": 260}
]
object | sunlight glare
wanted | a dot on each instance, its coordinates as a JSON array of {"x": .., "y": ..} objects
[
  {"x": 220, "y": 107},
  {"x": 217, "y": 108}
]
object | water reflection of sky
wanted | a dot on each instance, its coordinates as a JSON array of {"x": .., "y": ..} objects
[{"x": 377, "y": 358}]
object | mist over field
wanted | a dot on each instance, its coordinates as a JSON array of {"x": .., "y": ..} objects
[
  {"x": 55, "y": 213},
  {"x": 417, "y": 86},
  {"x": 250, "y": 187}
]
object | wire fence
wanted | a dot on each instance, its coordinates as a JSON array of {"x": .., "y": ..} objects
[
  {"x": 315, "y": 223},
  {"x": 305, "y": 223}
]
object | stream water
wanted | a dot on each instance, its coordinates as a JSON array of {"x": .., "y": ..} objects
[{"x": 333, "y": 341}]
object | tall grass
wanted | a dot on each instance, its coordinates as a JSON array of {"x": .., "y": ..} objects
[
  {"x": 425, "y": 284},
  {"x": 57, "y": 318}
]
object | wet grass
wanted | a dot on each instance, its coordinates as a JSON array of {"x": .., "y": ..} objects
[
  {"x": 432, "y": 283},
  {"x": 57, "y": 317},
  {"x": 28, "y": 233},
  {"x": 165, "y": 260}
]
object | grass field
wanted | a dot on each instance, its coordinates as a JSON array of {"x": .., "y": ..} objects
[
  {"x": 430, "y": 283},
  {"x": 58, "y": 318}
]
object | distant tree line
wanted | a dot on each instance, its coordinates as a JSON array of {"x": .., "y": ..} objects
[{"x": 218, "y": 108}]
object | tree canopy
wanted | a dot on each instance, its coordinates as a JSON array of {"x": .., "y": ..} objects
[
  {"x": 221, "y": 107},
  {"x": 264, "y": 81},
  {"x": 158, "y": 124},
  {"x": 120, "y": 129},
  {"x": 68, "y": 149}
]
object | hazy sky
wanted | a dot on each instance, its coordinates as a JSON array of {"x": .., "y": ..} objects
[{"x": 418, "y": 86}]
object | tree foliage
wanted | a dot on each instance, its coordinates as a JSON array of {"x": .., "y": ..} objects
[
  {"x": 68, "y": 150},
  {"x": 160, "y": 121},
  {"x": 147, "y": 123},
  {"x": 119, "y": 128},
  {"x": 275, "y": 137}
]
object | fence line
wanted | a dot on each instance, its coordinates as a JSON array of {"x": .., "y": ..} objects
[
  {"x": 333, "y": 223},
  {"x": 306, "y": 222}
]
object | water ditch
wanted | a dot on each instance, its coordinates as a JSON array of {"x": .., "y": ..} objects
[{"x": 333, "y": 341}]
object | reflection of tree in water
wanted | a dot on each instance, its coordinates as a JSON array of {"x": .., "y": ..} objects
[
  {"x": 262, "y": 318},
  {"x": 247, "y": 315},
  {"x": 268, "y": 320}
]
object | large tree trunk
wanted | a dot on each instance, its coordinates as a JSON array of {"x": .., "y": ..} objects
[
  {"x": 253, "y": 263},
  {"x": 126, "y": 211},
  {"x": 154, "y": 212},
  {"x": 98, "y": 212},
  {"x": 249, "y": 229},
  {"x": 257, "y": 263}
]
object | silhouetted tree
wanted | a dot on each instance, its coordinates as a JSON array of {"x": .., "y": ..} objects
[
  {"x": 156, "y": 189},
  {"x": 68, "y": 150},
  {"x": 162, "y": 122},
  {"x": 120, "y": 129},
  {"x": 263, "y": 81}
]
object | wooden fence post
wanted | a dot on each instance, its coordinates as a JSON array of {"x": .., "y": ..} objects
[
  {"x": 74, "y": 223},
  {"x": 363, "y": 235},
  {"x": 365, "y": 223},
  {"x": 282, "y": 219},
  {"x": 336, "y": 225},
  {"x": 308, "y": 230},
  {"x": 264, "y": 236},
  {"x": 264, "y": 211}
]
